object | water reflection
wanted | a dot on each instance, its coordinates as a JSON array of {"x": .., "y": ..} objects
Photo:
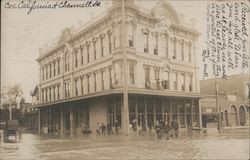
[{"x": 190, "y": 145}]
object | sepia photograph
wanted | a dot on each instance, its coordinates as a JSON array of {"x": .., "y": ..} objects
[{"x": 125, "y": 80}]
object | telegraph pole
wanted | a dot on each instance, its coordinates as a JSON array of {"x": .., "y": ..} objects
[
  {"x": 217, "y": 105},
  {"x": 125, "y": 118}
]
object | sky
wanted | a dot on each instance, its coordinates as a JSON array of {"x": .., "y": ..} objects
[{"x": 22, "y": 35}]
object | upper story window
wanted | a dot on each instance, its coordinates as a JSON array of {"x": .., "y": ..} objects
[
  {"x": 88, "y": 56},
  {"x": 58, "y": 66},
  {"x": 157, "y": 74},
  {"x": 88, "y": 83},
  {"x": 50, "y": 70},
  {"x": 182, "y": 50},
  {"x": 183, "y": 82},
  {"x": 110, "y": 43},
  {"x": 130, "y": 35},
  {"x": 165, "y": 82},
  {"x": 76, "y": 87},
  {"x": 81, "y": 52},
  {"x": 54, "y": 92},
  {"x": 174, "y": 41},
  {"x": 166, "y": 41},
  {"x": 147, "y": 77},
  {"x": 42, "y": 73},
  {"x": 95, "y": 81},
  {"x": 132, "y": 73},
  {"x": 82, "y": 85},
  {"x": 145, "y": 42},
  {"x": 190, "y": 83},
  {"x": 67, "y": 88},
  {"x": 155, "y": 44},
  {"x": 189, "y": 52},
  {"x": 66, "y": 61},
  {"x": 175, "y": 80},
  {"x": 117, "y": 74},
  {"x": 102, "y": 79},
  {"x": 76, "y": 58},
  {"x": 46, "y": 71},
  {"x": 110, "y": 78},
  {"x": 54, "y": 67},
  {"x": 94, "y": 47},
  {"x": 58, "y": 92},
  {"x": 102, "y": 46}
]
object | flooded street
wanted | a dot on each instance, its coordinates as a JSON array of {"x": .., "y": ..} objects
[{"x": 228, "y": 144}]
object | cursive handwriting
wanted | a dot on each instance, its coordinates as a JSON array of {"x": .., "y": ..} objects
[
  {"x": 31, "y": 5},
  {"x": 227, "y": 44}
]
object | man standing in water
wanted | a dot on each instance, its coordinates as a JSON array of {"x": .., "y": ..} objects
[{"x": 175, "y": 127}]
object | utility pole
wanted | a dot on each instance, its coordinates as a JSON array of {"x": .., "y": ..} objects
[
  {"x": 217, "y": 105},
  {"x": 125, "y": 118}
]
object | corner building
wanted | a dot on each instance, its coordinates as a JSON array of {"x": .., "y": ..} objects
[{"x": 82, "y": 76}]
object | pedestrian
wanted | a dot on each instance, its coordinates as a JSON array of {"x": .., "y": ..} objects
[
  {"x": 158, "y": 130},
  {"x": 109, "y": 127},
  {"x": 134, "y": 125},
  {"x": 175, "y": 127},
  {"x": 117, "y": 127},
  {"x": 167, "y": 130},
  {"x": 98, "y": 129},
  {"x": 103, "y": 129}
]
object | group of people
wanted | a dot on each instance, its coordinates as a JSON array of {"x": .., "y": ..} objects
[
  {"x": 162, "y": 128},
  {"x": 103, "y": 129}
]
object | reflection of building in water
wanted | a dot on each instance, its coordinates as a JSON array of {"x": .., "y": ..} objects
[
  {"x": 82, "y": 77},
  {"x": 233, "y": 100}
]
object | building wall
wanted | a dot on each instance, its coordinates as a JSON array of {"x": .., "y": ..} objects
[{"x": 98, "y": 113}]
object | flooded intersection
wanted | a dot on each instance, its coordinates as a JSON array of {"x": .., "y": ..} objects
[{"x": 227, "y": 144}]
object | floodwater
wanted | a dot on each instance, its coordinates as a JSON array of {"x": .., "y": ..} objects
[{"x": 226, "y": 144}]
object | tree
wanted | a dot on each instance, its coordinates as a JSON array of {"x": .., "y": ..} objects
[{"x": 11, "y": 94}]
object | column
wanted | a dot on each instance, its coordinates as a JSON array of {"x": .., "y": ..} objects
[
  {"x": 38, "y": 122},
  {"x": 170, "y": 110},
  {"x": 154, "y": 111},
  {"x": 136, "y": 111},
  {"x": 199, "y": 114},
  {"x": 185, "y": 112},
  {"x": 71, "y": 118},
  {"x": 191, "y": 113},
  {"x": 162, "y": 108},
  {"x": 146, "y": 113},
  {"x": 61, "y": 121}
]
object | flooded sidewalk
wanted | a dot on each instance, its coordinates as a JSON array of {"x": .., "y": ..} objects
[{"x": 206, "y": 144}]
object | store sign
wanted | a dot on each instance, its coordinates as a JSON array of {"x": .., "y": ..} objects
[{"x": 209, "y": 110}]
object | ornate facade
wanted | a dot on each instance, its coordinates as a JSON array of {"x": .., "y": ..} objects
[{"x": 82, "y": 76}]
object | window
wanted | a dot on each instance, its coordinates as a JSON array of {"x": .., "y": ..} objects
[
  {"x": 49, "y": 94},
  {"x": 190, "y": 83},
  {"x": 46, "y": 71},
  {"x": 110, "y": 78},
  {"x": 54, "y": 93},
  {"x": 76, "y": 87},
  {"x": 132, "y": 73},
  {"x": 67, "y": 93},
  {"x": 102, "y": 79},
  {"x": 76, "y": 59},
  {"x": 95, "y": 83},
  {"x": 182, "y": 51},
  {"x": 189, "y": 52},
  {"x": 58, "y": 66},
  {"x": 157, "y": 74},
  {"x": 155, "y": 44},
  {"x": 88, "y": 84},
  {"x": 175, "y": 80},
  {"x": 50, "y": 70},
  {"x": 58, "y": 92},
  {"x": 43, "y": 73},
  {"x": 82, "y": 86},
  {"x": 81, "y": 51},
  {"x": 174, "y": 48},
  {"x": 46, "y": 97},
  {"x": 94, "y": 46},
  {"x": 145, "y": 42},
  {"x": 42, "y": 95},
  {"x": 147, "y": 77},
  {"x": 166, "y": 45},
  {"x": 102, "y": 47},
  {"x": 183, "y": 82},
  {"x": 117, "y": 74},
  {"x": 88, "y": 54},
  {"x": 165, "y": 82},
  {"x": 54, "y": 67},
  {"x": 130, "y": 35},
  {"x": 110, "y": 43},
  {"x": 66, "y": 62}
]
